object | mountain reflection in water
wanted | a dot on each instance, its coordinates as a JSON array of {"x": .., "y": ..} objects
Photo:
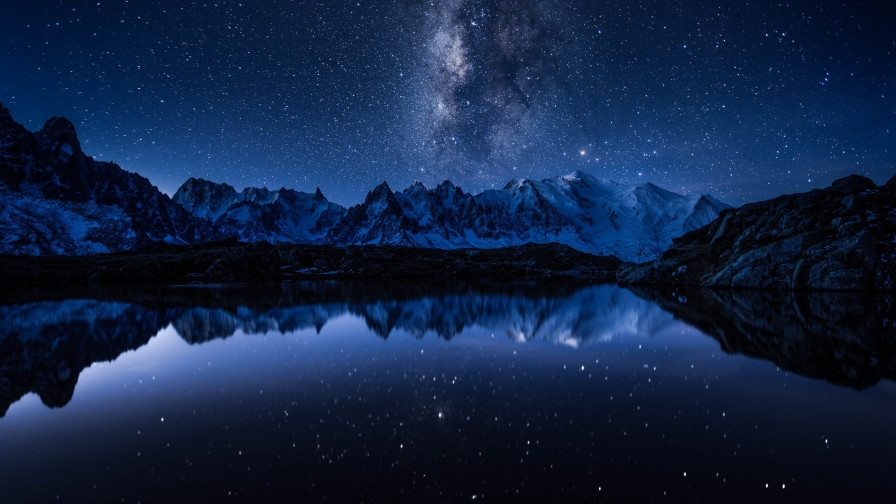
[
  {"x": 351, "y": 392},
  {"x": 45, "y": 345},
  {"x": 846, "y": 339}
]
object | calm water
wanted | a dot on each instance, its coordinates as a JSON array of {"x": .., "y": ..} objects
[{"x": 313, "y": 392}]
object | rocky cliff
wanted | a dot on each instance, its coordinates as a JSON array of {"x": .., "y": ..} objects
[
  {"x": 54, "y": 199},
  {"x": 842, "y": 237}
]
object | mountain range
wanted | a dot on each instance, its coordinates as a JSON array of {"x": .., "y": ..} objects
[{"x": 56, "y": 200}]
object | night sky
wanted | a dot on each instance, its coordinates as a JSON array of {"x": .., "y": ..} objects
[{"x": 745, "y": 100}]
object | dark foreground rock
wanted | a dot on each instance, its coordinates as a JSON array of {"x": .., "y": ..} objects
[
  {"x": 844, "y": 338},
  {"x": 163, "y": 264},
  {"x": 839, "y": 238}
]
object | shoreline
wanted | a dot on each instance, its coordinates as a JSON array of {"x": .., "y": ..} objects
[{"x": 233, "y": 262}]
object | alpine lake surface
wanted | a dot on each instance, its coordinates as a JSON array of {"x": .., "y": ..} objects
[{"x": 359, "y": 392}]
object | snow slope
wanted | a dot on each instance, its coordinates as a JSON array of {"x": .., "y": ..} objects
[
  {"x": 580, "y": 210},
  {"x": 256, "y": 214}
]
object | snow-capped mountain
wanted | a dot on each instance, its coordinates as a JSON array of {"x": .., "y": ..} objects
[
  {"x": 54, "y": 199},
  {"x": 256, "y": 214},
  {"x": 580, "y": 210},
  {"x": 590, "y": 214}
]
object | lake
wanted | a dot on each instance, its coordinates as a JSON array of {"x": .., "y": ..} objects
[{"x": 328, "y": 391}]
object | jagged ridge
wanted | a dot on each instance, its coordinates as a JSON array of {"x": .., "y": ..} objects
[
  {"x": 54, "y": 199},
  {"x": 57, "y": 200},
  {"x": 587, "y": 213},
  {"x": 281, "y": 216},
  {"x": 593, "y": 215}
]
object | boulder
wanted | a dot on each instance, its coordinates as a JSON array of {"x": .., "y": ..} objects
[{"x": 851, "y": 184}]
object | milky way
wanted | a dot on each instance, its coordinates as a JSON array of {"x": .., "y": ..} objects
[
  {"x": 490, "y": 73},
  {"x": 743, "y": 100}
]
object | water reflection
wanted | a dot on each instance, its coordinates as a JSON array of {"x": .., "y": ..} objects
[
  {"x": 47, "y": 344},
  {"x": 846, "y": 339},
  {"x": 44, "y": 346},
  {"x": 492, "y": 400}
]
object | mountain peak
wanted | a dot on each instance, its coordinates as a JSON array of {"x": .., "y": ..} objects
[
  {"x": 200, "y": 185},
  {"x": 380, "y": 191},
  {"x": 56, "y": 133},
  {"x": 61, "y": 124},
  {"x": 203, "y": 198},
  {"x": 6, "y": 119},
  {"x": 64, "y": 202},
  {"x": 655, "y": 189},
  {"x": 516, "y": 183},
  {"x": 578, "y": 175},
  {"x": 416, "y": 189}
]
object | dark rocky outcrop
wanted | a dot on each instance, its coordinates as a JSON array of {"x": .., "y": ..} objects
[
  {"x": 55, "y": 199},
  {"x": 839, "y": 238}
]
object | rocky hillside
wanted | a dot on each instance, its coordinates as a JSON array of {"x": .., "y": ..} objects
[
  {"x": 842, "y": 237},
  {"x": 54, "y": 199}
]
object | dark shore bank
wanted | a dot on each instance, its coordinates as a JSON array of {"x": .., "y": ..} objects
[{"x": 162, "y": 264}]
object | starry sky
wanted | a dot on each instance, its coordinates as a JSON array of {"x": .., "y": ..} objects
[{"x": 744, "y": 100}]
